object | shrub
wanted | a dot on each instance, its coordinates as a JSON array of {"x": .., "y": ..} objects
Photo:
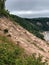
[
  {"x": 11, "y": 54},
  {"x": 5, "y": 30}
]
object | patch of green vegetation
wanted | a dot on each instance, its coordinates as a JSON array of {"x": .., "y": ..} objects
[
  {"x": 3, "y": 12},
  {"x": 43, "y": 23},
  {"x": 32, "y": 28},
  {"x": 11, "y": 54}
]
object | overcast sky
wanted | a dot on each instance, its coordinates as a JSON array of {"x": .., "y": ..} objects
[{"x": 28, "y": 8}]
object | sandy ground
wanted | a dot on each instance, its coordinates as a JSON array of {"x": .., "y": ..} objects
[{"x": 26, "y": 40}]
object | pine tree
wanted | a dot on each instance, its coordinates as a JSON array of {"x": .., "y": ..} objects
[
  {"x": 2, "y": 4},
  {"x": 2, "y": 8}
]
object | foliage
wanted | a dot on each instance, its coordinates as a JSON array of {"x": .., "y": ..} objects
[
  {"x": 3, "y": 12},
  {"x": 28, "y": 26},
  {"x": 2, "y": 5},
  {"x": 43, "y": 23},
  {"x": 11, "y": 54}
]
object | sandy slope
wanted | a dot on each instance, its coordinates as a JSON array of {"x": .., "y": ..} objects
[{"x": 26, "y": 40}]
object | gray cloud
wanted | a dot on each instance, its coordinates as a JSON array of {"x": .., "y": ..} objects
[{"x": 22, "y": 6}]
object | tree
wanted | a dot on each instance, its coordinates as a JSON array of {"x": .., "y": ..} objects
[
  {"x": 2, "y": 4},
  {"x": 3, "y": 12}
]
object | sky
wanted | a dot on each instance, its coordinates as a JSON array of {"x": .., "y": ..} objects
[{"x": 28, "y": 8}]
